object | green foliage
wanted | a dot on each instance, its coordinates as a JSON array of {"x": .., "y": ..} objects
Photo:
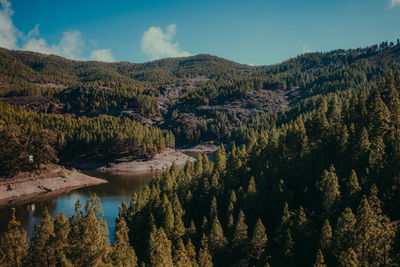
[
  {"x": 43, "y": 136},
  {"x": 319, "y": 259},
  {"x": 122, "y": 253},
  {"x": 14, "y": 245},
  {"x": 258, "y": 241},
  {"x": 283, "y": 178},
  {"x": 160, "y": 249}
]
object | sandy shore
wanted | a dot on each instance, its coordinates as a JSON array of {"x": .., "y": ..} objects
[
  {"x": 54, "y": 180},
  {"x": 161, "y": 161}
]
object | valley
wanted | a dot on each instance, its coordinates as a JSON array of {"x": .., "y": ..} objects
[{"x": 304, "y": 167}]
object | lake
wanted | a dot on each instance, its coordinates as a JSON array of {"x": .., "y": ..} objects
[{"x": 120, "y": 187}]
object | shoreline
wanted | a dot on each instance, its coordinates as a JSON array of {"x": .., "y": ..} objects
[
  {"x": 161, "y": 161},
  {"x": 52, "y": 181},
  {"x": 55, "y": 179},
  {"x": 200, "y": 149}
]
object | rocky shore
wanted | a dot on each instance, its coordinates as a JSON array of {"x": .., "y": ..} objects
[{"x": 161, "y": 161}]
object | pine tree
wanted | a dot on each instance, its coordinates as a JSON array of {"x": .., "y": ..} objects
[
  {"x": 364, "y": 145},
  {"x": 287, "y": 256},
  {"x": 14, "y": 245},
  {"x": 319, "y": 259},
  {"x": 220, "y": 160},
  {"x": 41, "y": 251},
  {"x": 213, "y": 209},
  {"x": 374, "y": 201},
  {"x": 204, "y": 257},
  {"x": 176, "y": 206},
  {"x": 348, "y": 259},
  {"x": 352, "y": 185},
  {"x": 168, "y": 216},
  {"x": 326, "y": 236},
  {"x": 179, "y": 227},
  {"x": 89, "y": 244},
  {"x": 239, "y": 241},
  {"x": 344, "y": 231},
  {"x": 258, "y": 241},
  {"x": 377, "y": 153},
  {"x": 230, "y": 210},
  {"x": 60, "y": 240},
  {"x": 191, "y": 252},
  {"x": 329, "y": 188},
  {"x": 160, "y": 249},
  {"x": 191, "y": 231},
  {"x": 251, "y": 188},
  {"x": 204, "y": 225},
  {"x": 216, "y": 238},
  {"x": 122, "y": 252},
  {"x": 373, "y": 236},
  {"x": 181, "y": 258}
]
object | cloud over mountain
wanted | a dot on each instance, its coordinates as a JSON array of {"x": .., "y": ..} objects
[
  {"x": 70, "y": 45},
  {"x": 158, "y": 43}
]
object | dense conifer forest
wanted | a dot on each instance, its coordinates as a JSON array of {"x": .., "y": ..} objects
[{"x": 313, "y": 183}]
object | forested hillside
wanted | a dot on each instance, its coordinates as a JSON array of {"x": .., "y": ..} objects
[
  {"x": 200, "y": 98},
  {"x": 313, "y": 183},
  {"x": 322, "y": 190}
]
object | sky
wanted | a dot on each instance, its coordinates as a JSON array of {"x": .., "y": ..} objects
[{"x": 254, "y": 32}]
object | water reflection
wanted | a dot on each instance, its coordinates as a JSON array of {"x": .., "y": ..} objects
[{"x": 120, "y": 188}]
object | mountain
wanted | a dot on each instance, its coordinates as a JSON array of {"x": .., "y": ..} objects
[
  {"x": 311, "y": 176},
  {"x": 199, "y": 98}
]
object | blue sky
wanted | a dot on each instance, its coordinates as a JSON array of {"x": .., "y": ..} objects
[{"x": 247, "y": 31}]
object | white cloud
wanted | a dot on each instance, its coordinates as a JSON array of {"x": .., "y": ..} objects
[
  {"x": 157, "y": 43},
  {"x": 34, "y": 32},
  {"x": 8, "y": 32},
  {"x": 394, "y": 3},
  {"x": 102, "y": 55},
  {"x": 70, "y": 45}
]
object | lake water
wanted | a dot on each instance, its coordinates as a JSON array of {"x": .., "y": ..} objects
[{"x": 120, "y": 187}]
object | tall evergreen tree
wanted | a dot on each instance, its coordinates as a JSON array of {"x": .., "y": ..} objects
[
  {"x": 60, "y": 241},
  {"x": 344, "y": 231},
  {"x": 89, "y": 243},
  {"x": 14, "y": 245},
  {"x": 258, "y": 241},
  {"x": 204, "y": 257},
  {"x": 168, "y": 216},
  {"x": 348, "y": 259},
  {"x": 123, "y": 253},
  {"x": 239, "y": 240},
  {"x": 329, "y": 188},
  {"x": 41, "y": 250},
  {"x": 352, "y": 185},
  {"x": 160, "y": 249},
  {"x": 216, "y": 237},
  {"x": 326, "y": 236},
  {"x": 191, "y": 252},
  {"x": 181, "y": 258},
  {"x": 319, "y": 259}
]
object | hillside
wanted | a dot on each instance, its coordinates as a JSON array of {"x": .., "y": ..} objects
[
  {"x": 193, "y": 100},
  {"x": 311, "y": 176},
  {"x": 200, "y": 98}
]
